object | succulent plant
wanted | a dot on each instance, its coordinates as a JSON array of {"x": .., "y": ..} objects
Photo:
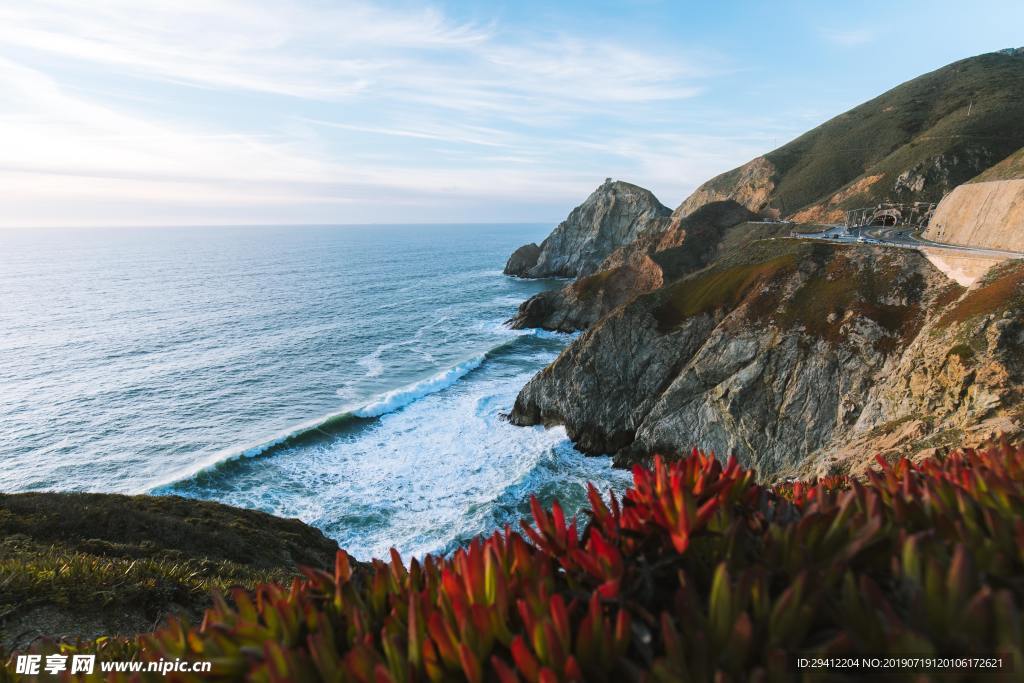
[{"x": 698, "y": 573}]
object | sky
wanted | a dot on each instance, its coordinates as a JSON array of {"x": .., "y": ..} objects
[{"x": 172, "y": 112}]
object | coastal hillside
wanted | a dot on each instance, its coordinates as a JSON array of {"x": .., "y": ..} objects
[
  {"x": 662, "y": 252},
  {"x": 711, "y": 330},
  {"x": 915, "y": 142},
  {"x": 786, "y": 350},
  {"x": 82, "y": 565}
]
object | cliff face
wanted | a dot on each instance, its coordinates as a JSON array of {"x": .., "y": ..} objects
[
  {"x": 750, "y": 185},
  {"x": 782, "y": 352},
  {"x": 615, "y": 214},
  {"x": 914, "y": 143},
  {"x": 958, "y": 381},
  {"x": 654, "y": 257}
]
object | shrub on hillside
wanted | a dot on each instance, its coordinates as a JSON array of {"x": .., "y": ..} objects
[{"x": 699, "y": 573}]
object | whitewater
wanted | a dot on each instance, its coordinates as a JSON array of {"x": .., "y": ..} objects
[{"x": 355, "y": 377}]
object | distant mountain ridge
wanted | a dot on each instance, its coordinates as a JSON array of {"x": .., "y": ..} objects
[{"x": 915, "y": 142}]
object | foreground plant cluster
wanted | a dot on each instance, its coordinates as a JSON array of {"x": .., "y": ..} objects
[{"x": 699, "y": 573}]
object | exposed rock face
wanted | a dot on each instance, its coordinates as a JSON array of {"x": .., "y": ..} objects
[
  {"x": 958, "y": 382},
  {"x": 522, "y": 260},
  {"x": 615, "y": 214},
  {"x": 643, "y": 265},
  {"x": 783, "y": 353},
  {"x": 750, "y": 185},
  {"x": 582, "y": 303}
]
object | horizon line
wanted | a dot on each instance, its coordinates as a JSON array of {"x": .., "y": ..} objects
[{"x": 134, "y": 226}]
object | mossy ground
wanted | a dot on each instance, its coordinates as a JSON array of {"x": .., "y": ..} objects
[
  {"x": 72, "y": 562},
  {"x": 812, "y": 286}
]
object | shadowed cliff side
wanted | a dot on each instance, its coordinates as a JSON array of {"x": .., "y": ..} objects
[
  {"x": 655, "y": 257},
  {"x": 986, "y": 212},
  {"x": 781, "y": 350}
]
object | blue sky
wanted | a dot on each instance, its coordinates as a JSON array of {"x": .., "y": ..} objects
[{"x": 118, "y": 112}]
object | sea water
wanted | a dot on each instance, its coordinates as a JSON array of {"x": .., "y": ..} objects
[{"x": 355, "y": 377}]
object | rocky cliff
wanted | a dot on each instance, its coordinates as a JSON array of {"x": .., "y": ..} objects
[
  {"x": 959, "y": 381},
  {"x": 656, "y": 256},
  {"x": 615, "y": 214},
  {"x": 785, "y": 350},
  {"x": 915, "y": 142}
]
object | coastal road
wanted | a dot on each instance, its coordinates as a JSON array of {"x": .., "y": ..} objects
[{"x": 902, "y": 237}]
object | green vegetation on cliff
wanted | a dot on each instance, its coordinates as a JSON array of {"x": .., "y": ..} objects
[
  {"x": 913, "y": 143},
  {"x": 80, "y": 564},
  {"x": 1001, "y": 290},
  {"x": 797, "y": 284},
  {"x": 1010, "y": 168}
]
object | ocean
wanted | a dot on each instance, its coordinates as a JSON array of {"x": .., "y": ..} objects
[{"x": 354, "y": 377}]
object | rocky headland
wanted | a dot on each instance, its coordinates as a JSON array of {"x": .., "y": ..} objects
[
  {"x": 710, "y": 327},
  {"x": 795, "y": 357},
  {"x": 615, "y": 214}
]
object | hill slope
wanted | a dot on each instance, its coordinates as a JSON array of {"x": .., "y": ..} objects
[
  {"x": 1010, "y": 168},
  {"x": 786, "y": 350},
  {"x": 915, "y": 142},
  {"x": 89, "y": 564}
]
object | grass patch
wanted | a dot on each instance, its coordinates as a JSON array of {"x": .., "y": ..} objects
[
  {"x": 718, "y": 290},
  {"x": 962, "y": 351},
  {"x": 132, "y": 559},
  {"x": 33, "y": 574}
]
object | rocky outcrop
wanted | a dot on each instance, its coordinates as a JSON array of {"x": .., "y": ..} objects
[
  {"x": 522, "y": 260},
  {"x": 958, "y": 383},
  {"x": 750, "y": 185},
  {"x": 582, "y": 303},
  {"x": 615, "y": 214},
  {"x": 643, "y": 265},
  {"x": 781, "y": 353}
]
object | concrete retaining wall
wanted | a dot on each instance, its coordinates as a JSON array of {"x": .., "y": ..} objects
[{"x": 988, "y": 214}]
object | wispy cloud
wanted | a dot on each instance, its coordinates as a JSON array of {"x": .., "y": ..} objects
[
  {"x": 849, "y": 37},
  {"x": 223, "y": 106}
]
